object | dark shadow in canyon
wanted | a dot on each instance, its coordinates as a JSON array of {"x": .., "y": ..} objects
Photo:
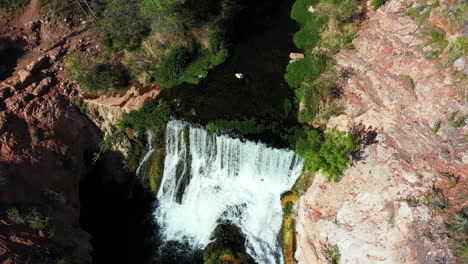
[{"x": 10, "y": 52}]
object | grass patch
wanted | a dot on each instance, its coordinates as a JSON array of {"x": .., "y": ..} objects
[
  {"x": 377, "y": 3},
  {"x": 457, "y": 49},
  {"x": 304, "y": 70},
  {"x": 436, "y": 126},
  {"x": 333, "y": 254},
  {"x": 421, "y": 13}
]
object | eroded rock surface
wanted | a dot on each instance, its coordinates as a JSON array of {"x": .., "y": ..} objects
[
  {"x": 369, "y": 214},
  {"x": 44, "y": 145}
]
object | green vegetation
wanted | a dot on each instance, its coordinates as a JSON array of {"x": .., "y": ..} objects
[
  {"x": 96, "y": 77},
  {"x": 333, "y": 254},
  {"x": 436, "y": 200},
  {"x": 331, "y": 152},
  {"x": 457, "y": 122},
  {"x": 436, "y": 126},
  {"x": 324, "y": 32},
  {"x": 167, "y": 42},
  {"x": 288, "y": 209},
  {"x": 377, "y": 3},
  {"x": 228, "y": 247},
  {"x": 457, "y": 230},
  {"x": 458, "y": 48},
  {"x": 15, "y": 216},
  {"x": 408, "y": 81},
  {"x": 13, "y": 5},
  {"x": 422, "y": 12},
  {"x": 155, "y": 171},
  {"x": 435, "y": 41},
  {"x": 152, "y": 116},
  {"x": 304, "y": 70}
]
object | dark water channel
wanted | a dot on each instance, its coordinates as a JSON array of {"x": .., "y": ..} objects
[{"x": 121, "y": 225}]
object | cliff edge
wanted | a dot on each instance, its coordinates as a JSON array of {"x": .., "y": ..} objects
[{"x": 392, "y": 206}]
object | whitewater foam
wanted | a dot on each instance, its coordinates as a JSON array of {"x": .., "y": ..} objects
[{"x": 210, "y": 179}]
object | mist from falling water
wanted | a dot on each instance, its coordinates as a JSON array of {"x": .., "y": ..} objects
[{"x": 210, "y": 179}]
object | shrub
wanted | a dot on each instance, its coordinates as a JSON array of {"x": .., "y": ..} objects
[
  {"x": 164, "y": 14},
  {"x": 96, "y": 77},
  {"x": 171, "y": 67},
  {"x": 331, "y": 152},
  {"x": 458, "y": 226},
  {"x": 377, "y": 3},
  {"x": 152, "y": 116},
  {"x": 123, "y": 27},
  {"x": 333, "y": 254},
  {"x": 15, "y": 216}
]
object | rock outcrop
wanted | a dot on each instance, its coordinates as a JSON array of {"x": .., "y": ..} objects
[
  {"x": 380, "y": 211},
  {"x": 44, "y": 146}
]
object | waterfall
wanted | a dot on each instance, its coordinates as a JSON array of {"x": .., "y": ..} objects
[
  {"x": 210, "y": 179},
  {"x": 144, "y": 162}
]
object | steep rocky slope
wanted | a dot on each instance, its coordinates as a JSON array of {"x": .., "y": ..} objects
[
  {"x": 44, "y": 143},
  {"x": 381, "y": 211}
]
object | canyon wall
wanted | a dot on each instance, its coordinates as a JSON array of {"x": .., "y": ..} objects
[{"x": 381, "y": 212}]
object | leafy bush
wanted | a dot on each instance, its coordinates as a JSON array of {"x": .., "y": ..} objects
[
  {"x": 97, "y": 77},
  {"x": 330, "y": 152},
  {"x": 151, "y": 117},
  {"x": 123, "y": 27},
  {"x": 377, "y": 3}
]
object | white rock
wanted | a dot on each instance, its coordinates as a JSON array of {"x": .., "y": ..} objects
[{"x": 460, "y": 65}]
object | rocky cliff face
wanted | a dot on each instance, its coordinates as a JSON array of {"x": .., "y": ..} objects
[
  {"x": 44, "y": 144},
  {"x": 382, "y": 210}
]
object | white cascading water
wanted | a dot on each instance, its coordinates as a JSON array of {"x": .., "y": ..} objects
[
  {"x": 210, "y": 179},
  {"x": 143, "y": 166}
]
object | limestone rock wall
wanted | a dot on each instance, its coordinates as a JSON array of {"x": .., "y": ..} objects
[{"x": 367, "y": 214}]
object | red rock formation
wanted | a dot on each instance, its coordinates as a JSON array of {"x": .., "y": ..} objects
[
  {"x": 369, "y": 214},
  {"x": 43, "y": 142}
]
